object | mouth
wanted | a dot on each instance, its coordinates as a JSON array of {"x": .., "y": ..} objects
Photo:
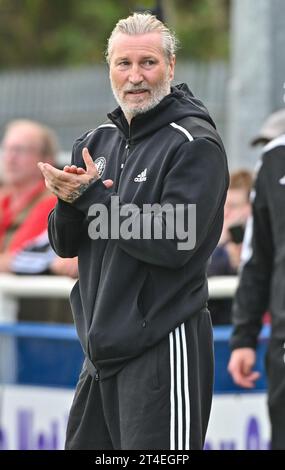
[{"x": 137, "y": 92}]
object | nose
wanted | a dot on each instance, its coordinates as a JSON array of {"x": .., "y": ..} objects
[{"x": 135, "y": 76}]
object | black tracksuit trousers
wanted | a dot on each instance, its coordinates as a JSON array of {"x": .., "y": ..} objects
[
  {"x": 275, "y": 367},
  {"x": 159, "y": 400}
]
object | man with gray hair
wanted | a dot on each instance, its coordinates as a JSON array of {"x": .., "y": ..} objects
[{"x": 140, "y": 304}]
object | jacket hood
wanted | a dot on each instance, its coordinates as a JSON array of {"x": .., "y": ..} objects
[{"x": 179, "y": 104}]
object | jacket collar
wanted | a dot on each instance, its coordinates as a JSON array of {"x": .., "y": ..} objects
[{"x": 178, "y": 104}]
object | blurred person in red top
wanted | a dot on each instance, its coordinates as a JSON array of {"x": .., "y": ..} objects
[{"x": 25, "y": 201}]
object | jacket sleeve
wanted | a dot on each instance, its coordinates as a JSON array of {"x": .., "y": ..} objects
[
  {"x": 252, "y": 297},
  {"x": 197, "y": 176},
  {"x": 65, "y": 225}
]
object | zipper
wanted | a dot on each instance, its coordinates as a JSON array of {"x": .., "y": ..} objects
[
  {"x": 127, "y": 153},
  {"x": 127, "y": 147},
  {"x": 124, "y": 159}
]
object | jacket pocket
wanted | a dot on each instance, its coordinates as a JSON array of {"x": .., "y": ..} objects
[
  {"x": 145, "y": 295},
  {"x": 79, "y": 318},
  {"x": 159, "y": 364}
]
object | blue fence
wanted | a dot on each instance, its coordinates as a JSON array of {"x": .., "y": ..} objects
[{"x": 50, "y": 355}]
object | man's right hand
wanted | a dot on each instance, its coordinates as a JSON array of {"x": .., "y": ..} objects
[
  {"x": 70, "y": 183},
  {"x": 240, "y": 367}
]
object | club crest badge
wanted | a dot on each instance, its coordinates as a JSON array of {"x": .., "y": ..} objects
[{"x": 100, "y": 162}]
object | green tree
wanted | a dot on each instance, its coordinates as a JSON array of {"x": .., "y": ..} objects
[
  {"x": 203, "y": 28},
  {"x": 71, "y": 32}
]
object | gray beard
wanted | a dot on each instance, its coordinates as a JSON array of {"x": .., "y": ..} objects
[{"x": 157, "y": 95}]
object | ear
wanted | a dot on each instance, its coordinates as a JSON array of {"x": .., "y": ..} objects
[{"x": 172, "y": 67}]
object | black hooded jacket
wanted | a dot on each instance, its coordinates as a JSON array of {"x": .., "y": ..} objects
[
  {"x": 132, "y": 292},
  {"x": 262, "y": 279}
]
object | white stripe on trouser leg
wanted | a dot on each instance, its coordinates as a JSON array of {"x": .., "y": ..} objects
[
  {"x": 172, "y": 398},
  {"x": 176, "y": 403},
  {"x": 186, "y": 389},
  {"x": 179, "y": 391}
]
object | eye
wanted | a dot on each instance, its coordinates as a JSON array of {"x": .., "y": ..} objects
[
  {"x": 149, "y": 62},
  {"x": 123, "y": 63}
]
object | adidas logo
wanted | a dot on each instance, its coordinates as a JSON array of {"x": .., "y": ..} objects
[
  {"x": 282, "y": 180},
  {"x": 141, "y": 176}
]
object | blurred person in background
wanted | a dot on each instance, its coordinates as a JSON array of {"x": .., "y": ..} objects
[
  {"x": 226, "y": 257},
  {"x": 25, "y": 202},
  {"x": 140, "y": 303},
  {"x": 262, "y": 283}
]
